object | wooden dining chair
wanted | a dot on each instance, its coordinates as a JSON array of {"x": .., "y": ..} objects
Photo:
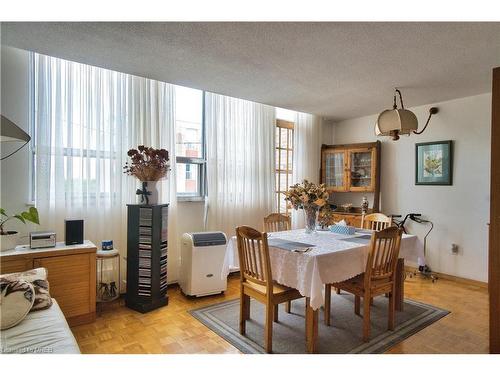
[
  {"x": 276, "y": 222},
  {"x": 376, "y": 221},
  {"x": 256, "y": 281},
  {"x": 379, "y": 278}
]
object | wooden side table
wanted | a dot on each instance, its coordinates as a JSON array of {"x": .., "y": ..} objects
[{"x": 107, "y": 275}]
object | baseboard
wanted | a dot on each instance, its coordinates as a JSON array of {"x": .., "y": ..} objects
[{"x": 457, "y": 279}]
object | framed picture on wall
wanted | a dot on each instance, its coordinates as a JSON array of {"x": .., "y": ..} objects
[{"x": 434, "y": 163}]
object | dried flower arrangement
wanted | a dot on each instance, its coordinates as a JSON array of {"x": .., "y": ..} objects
[
  {"x": 326, "y": 216},
  {"x": 147, "y": 163},
  {"x": 307, "y": 195}
]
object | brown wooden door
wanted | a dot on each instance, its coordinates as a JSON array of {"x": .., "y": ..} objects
[{"x": 494, "y": 238}]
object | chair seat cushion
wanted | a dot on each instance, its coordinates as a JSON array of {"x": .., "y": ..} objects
[
  {"x": 356, "y": 285},
  {"x": 277, "y": 288}
]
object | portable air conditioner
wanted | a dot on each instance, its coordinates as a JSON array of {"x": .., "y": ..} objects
[{"x": 202, "y": 259}]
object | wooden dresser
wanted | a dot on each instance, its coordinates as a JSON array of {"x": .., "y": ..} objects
[
  {"x": 71, "y": 273},
  {"x": 351, "y": 218}
]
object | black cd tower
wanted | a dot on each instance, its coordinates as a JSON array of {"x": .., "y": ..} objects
[{"x": 147, "y": 245}]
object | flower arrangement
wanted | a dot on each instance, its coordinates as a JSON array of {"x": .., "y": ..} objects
[
  {"x": 307, "y": 195},
  {"x": 147, "y": 163},
  {"x": 311, "y": 198},
  {"x": 326, "y": 216}
]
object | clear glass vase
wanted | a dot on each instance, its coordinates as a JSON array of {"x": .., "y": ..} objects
[{"x": 311, "y": 218}]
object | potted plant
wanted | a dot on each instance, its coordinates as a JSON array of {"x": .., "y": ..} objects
[
  {"x": 148, "y": 165},
  {"x": 310, "y": 197},
  {"x": 8, "y": 238}
]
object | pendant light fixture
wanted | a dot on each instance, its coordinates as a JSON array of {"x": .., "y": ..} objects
[
  {"x": 396, "y": 121},
  {"x": 10, "y": 132}
]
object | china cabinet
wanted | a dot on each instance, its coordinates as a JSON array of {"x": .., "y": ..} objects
[{"x": 352, "y": 168}]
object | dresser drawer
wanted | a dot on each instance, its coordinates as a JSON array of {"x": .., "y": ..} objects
[
  {"x": 17, "y": 264},
  {"x": 356, "y": 221},
  {"x": 353, "y": 220},
  {"x": 72, "y": 282}
]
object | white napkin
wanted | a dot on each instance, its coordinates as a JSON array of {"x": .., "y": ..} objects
[{"x": 342, "y": 223}]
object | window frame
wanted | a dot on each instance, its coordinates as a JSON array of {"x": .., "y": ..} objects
[
  {"x": 288, "y": 171},
  {"x": 200, "y": 162},
  {"x": 31, "y": 120}
]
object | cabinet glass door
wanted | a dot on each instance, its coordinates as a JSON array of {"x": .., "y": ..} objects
[
  {"x": 362, "y": 170},
  {"x": 334, "y": 170}
]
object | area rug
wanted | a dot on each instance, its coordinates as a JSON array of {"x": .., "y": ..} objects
[{"x": 342, "y": 337}]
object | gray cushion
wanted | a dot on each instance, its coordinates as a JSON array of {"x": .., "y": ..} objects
[
  {"x": 41, "y": 332},
  {"x": 16, "y": 299}
]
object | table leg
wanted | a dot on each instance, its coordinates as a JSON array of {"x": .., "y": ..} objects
[
  {"x": 400, "y": 284},
  {"x": 311, "y": 327},
  {"x": 328, "y": 303}
]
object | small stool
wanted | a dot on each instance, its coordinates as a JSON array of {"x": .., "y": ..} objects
[{"x": 107, "y": 275}]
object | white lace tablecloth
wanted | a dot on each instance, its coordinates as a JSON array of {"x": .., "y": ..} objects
[{"x": 330, "y": 260}]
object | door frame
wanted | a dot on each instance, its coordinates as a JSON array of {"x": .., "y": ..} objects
[{"x": 494, "y": 229}]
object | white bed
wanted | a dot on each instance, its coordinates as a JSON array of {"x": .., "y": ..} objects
[{"x": 42, "y": 332}]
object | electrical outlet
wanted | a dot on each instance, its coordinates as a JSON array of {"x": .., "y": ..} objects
[{"x": 454, "y": 248}]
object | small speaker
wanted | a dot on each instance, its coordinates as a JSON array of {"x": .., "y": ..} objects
[{"x": 73, "y": 232}]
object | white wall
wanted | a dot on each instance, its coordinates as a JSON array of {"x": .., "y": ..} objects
[
  {"x": 14, "y": 105},
  {"x": 460, "y": 212}
]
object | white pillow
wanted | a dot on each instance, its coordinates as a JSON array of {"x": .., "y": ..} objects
[
  {"x": 38, "y": 277},
  {"x": 16, "y": 299}
]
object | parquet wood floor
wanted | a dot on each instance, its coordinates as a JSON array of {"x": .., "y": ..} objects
[{"x": 171, "y": 329}]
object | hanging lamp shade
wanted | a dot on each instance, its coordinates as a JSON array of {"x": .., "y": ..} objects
[
  {"x": 10, "y": 132},
  {"x": 393, "y": 122}
]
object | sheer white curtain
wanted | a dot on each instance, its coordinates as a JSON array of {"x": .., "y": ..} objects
[
  {"x": 307, "y": 155},
  {"x": 86, "y": 118},
  {"x": 240, "y": 157}
]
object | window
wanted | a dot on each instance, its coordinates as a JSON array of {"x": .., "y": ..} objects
[
  {"x": 85, "y": 124},
  {"x": 284, "y": 157},
  {"x": 188, "y": 172},
  {"x": 80, "y": 150},
  {"x": 190, "y": 143}
]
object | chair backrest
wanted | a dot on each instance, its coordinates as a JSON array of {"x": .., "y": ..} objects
[
  {"x": 376, "y": 221},
  {"x": 277, "y": 223},
  {"x": 253, "y": 251},
  {"x": 383, "y": 255}
]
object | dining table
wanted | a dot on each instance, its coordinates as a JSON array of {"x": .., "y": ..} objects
[{"x": 308, "y": 261}]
